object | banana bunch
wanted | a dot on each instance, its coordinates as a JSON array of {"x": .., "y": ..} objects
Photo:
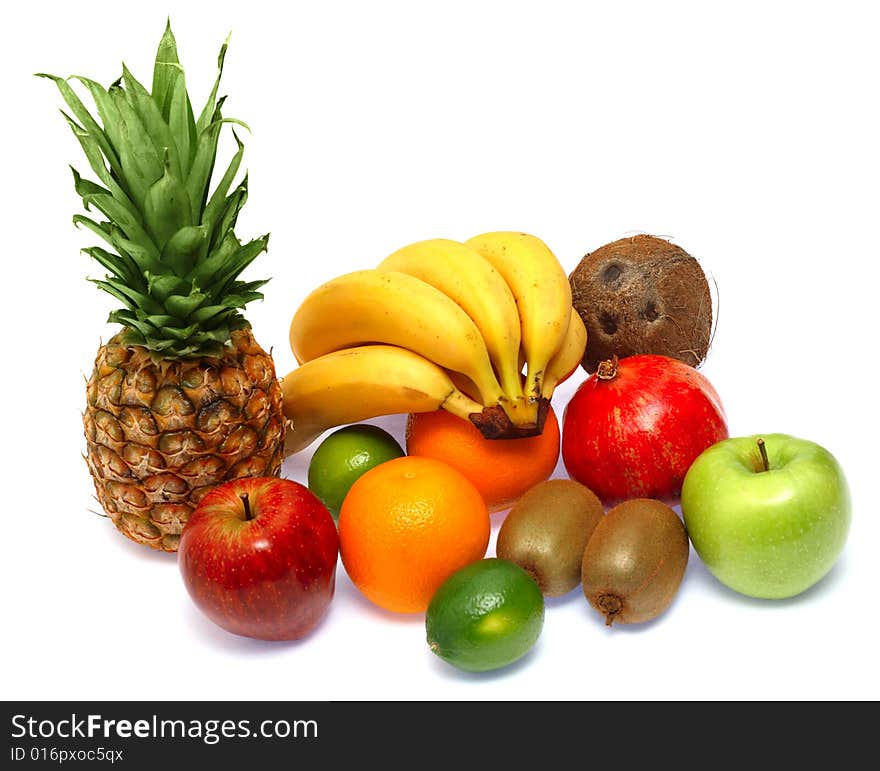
[{"x": 484, "y": 329}]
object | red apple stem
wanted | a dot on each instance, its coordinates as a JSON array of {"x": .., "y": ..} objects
[
  {"x": 765, "y": 461},
  {"x": 247, "y": 507}
]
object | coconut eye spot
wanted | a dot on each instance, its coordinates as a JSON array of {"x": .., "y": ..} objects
[
  {"x": 651, "y": 313},
  {"x": 612, "y": 273},
  {"x": 608, "y": 323}
]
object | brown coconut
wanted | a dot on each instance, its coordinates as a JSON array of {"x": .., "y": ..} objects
[{"x": 642, "y": 294}]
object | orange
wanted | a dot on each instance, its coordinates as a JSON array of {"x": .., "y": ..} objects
[
  {"x": 501, "y": 469},
  {"x": 405, "y": 526}
]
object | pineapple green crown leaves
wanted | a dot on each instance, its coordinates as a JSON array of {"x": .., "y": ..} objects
[{"x": 175, "y": 260}]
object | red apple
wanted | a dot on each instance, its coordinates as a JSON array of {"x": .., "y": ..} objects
[
  {"x": 258, "y": 557},
  {"x": 634, "y": 427}
]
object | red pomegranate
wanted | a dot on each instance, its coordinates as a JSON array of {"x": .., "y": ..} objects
[{"x": 633, "y": 428}]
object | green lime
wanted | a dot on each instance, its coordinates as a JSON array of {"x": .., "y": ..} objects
[
  {"x": 485, "y": 616},
  {"x": 344, "y": 456}
]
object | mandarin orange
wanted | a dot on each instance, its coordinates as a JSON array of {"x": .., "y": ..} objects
[{"x": 501, "y": 469}]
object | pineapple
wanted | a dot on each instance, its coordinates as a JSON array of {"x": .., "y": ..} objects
[{"x": 182, "y": 398}]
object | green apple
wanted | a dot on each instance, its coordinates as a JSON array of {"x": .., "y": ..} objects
[{"x": 768, "y": 515}]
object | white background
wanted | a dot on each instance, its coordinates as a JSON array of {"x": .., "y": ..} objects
[{"x": 746, "y": 134}]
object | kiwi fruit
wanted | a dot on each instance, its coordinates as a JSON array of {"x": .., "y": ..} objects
[
  {"x": 634, "y": 561},
  {"x": 642, "y": 295},
  {"x": 546, "y": 531}
]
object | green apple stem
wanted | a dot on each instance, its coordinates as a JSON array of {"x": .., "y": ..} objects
[
  {"x": 247, "y": 507},
  {"x": 765, "y": 461}
]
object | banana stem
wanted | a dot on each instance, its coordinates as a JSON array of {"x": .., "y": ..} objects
[
  {"x": 297, "y": 438},
  {"x": 534, "y": 383},
  {"x": 460, "y": 405},
  {"x": 488, "y": 386},
  {"x": 523, "y": 413},
  {"x": 511, "y": 382},
  {"x": 548, "y": 386}
]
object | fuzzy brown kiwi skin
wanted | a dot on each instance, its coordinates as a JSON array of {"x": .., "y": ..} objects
[
  {"x": 642, "y": 295},
  {"x": 546, "y": 531},
  {"x": 634, "y": 562}
]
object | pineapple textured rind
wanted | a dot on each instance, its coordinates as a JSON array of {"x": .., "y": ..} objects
[{"x": 160, "y": 435}]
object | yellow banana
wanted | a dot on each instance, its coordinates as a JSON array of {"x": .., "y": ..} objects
[
  {"x": 373, "y": 306},
  {"x": 467, "y": 277},
  {"x": 543, "y": 297},
  {"x": 356, "y": 384},
  {"x": 569, "y": 355}
]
